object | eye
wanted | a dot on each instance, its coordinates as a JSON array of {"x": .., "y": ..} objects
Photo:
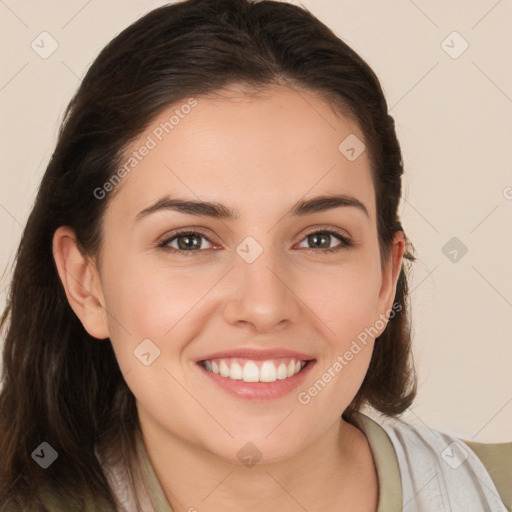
[
  {"x": 188, "y": 242},
  {"x": 185, "y": 242},
  {"x": 322, "y": 240}
]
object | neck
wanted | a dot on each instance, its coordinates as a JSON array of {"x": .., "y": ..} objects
[{"x": 336, "y": 469}]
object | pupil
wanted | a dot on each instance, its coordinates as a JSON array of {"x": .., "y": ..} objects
[
  {"x": 315, "y": 238},
  {"x": 186, "y": 241}
]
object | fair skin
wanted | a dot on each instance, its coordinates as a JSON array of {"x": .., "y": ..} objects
[{"x": 257, "y": 155}]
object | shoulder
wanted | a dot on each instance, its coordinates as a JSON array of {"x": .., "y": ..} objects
[
  {"x": 497, "y": 459},
  {"x": 439, "y": 470}
]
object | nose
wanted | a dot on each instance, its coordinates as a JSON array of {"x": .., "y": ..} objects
[{"x": 263, "y": 297}]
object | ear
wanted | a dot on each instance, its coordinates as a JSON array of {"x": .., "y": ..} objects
[
  {"x": 391, "y": 273},
  {"x": 81, "y": 282}
]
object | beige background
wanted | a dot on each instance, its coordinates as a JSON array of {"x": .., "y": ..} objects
[{"x": 454, "y": 121}]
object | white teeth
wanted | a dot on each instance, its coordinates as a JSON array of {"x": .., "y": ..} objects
[
  {"x": 251, "y": 372},
  {"x": 224, "y": 369},
  {"x": 268, "y": 372},
  {"x": 282, "y": 371},
  {"x": 236, "y": 372}
]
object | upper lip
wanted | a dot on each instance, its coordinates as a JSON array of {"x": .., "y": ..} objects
[{"x": 256, "y": 354}]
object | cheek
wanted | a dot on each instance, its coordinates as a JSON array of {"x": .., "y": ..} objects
[
  {"x": 150, "y": 301},
  {"x": 345, "y": 299},
  {"x": 158, "y": 303}
]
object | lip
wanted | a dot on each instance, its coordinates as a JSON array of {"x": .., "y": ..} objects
[
  {"x": 256, "y": 354},
  {"x": 257, "y": 390}
]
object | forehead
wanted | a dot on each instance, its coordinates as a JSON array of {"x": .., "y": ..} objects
[{"x": 234, "y": 147}]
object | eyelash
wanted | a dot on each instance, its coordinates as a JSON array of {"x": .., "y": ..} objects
[{"x": 345, "y": 242}]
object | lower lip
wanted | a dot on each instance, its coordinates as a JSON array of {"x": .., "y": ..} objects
[{"x": 259, "y": 390}]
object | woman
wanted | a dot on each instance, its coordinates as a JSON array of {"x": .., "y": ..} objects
[{"x": 212, "y": 284}]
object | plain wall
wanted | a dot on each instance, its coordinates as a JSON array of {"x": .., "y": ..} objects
[{"x": 454, "y": 121}]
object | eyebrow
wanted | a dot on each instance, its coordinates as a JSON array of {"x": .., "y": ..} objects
[{"x": 219, "y": 211}]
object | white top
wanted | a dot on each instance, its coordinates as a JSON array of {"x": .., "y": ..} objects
[{"x": 440, "y": 473}]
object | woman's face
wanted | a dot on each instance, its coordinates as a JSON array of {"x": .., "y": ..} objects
[{"x": 254, "y": 290}]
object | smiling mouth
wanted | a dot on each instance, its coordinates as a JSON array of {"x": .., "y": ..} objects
[{"x": 248, "y": 370}]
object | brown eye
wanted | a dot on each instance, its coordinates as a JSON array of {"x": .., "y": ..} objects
[{"x": 185, "y": 242}]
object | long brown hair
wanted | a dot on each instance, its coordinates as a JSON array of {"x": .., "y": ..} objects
[{"x": 60, "y": 385}]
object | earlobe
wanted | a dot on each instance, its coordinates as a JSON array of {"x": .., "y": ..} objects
[{"x": 81, "y": 282}]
